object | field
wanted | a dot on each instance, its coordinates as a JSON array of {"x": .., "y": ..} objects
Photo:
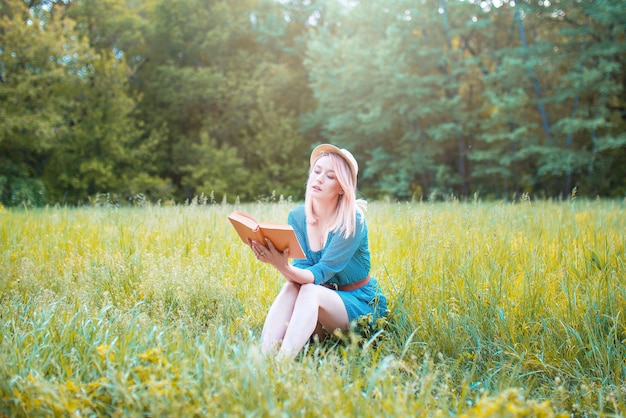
[{"x": 496, "y": 309}]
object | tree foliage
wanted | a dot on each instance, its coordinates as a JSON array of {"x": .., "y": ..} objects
[
  {"x": 174, "y": 99},
  {"x": 460, "y": 96}
]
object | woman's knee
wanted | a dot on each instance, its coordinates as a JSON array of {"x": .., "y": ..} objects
[
  {"x": 290, "y": 287},
  {"x": 308, "y": 289}
]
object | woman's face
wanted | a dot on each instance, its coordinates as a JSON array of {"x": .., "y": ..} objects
[{"x": 323, "y": 183}]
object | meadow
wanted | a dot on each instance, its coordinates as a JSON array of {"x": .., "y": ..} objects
[{"x": 496, "y": 309}]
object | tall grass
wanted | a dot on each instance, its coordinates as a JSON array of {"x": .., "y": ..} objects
[{"x": 500, "y": 309}]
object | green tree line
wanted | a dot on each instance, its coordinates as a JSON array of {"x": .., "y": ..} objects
[{"x": 171, "y": 99}]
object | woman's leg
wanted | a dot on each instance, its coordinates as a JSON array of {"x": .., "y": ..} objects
[
  {"x": 314, "y": 304},
  {"x": 279, "y": 316}
]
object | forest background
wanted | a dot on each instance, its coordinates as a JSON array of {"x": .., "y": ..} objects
[{"x": 172, "y": 99}]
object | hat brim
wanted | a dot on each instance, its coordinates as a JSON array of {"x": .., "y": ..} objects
[{"x": 329, "y": 148}]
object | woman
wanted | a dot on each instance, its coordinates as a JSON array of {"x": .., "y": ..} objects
[{"x": 331, "y": 287}]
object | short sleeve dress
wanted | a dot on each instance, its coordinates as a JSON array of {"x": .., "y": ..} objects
[{"x": 342, "y": 261}]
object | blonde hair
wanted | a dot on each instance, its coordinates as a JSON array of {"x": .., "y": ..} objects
[{"x": 347, "y": 206}]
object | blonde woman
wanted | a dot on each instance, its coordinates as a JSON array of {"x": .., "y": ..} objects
[{"x": 332, "y": 286}]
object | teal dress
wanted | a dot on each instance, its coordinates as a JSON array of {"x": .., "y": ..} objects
[{"x": 342, "y": 261}]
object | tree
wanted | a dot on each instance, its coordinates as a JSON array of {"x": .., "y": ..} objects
[
  {"x": 385, "y": 87},
  {"x": 93, "y": 154},
  {"x": 97, "y": 152},
  {"x": 172, "y": 99},
  {"x": 462, "y": 96},
  {"x": 582, "y": 45},
  {"x": 212, "y": 89},
  {"x": 40, "y": 61},
  {"x": 592, "y": 91}
]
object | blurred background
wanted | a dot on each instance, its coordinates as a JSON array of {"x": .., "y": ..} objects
[{"x": 174, "y": 99}]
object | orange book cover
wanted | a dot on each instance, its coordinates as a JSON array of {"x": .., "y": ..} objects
[{"x": 281, "y": 235}]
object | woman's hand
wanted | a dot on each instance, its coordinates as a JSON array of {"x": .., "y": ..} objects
[{"x": 269, "y": 254}]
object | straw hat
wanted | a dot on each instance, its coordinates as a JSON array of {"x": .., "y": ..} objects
[{"x": 343, "y": 153}]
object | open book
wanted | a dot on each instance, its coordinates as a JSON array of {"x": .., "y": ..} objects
[{"x": 281, "y": 235}]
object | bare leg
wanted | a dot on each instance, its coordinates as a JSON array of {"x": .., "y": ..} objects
[
  {"x": 314, "y": 304},
  {"x": 278, "y": 317},
  {"x": 320, "y": 332}
]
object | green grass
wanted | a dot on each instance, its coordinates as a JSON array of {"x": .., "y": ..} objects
[{"x": 501, "y": 309}]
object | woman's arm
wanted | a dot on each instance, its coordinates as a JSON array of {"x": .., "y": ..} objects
[{"x": 269, "y": 254}]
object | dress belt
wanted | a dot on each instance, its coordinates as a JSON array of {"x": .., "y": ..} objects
[{"x": 349, "y": 286}]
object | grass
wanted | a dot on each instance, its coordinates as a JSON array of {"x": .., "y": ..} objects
[{"x": 497, "y": 309}]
